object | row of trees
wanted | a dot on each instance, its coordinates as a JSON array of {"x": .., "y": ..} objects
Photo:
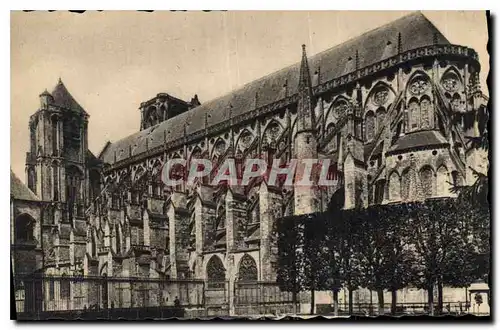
[{"x": 439, "y": 242}]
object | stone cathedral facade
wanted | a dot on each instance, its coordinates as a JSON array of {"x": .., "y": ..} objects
[{"x": 378, "y": 106}]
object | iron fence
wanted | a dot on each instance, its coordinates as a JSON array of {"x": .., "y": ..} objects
[
  {"x": 262, "y": 298},
  {"x": 410, "y": 308},
  {"x": 37, "y": 295}
]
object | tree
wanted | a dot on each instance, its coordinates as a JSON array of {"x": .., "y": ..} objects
[
  {"x": 443, "y": 247},
  {"x": 398, "y": 256},
  {"x": 316, "y": 255},
  {"x": 370, "y": 253},
  {"x": 350, "y": 273},
  {"x": 290, "y": 275}
]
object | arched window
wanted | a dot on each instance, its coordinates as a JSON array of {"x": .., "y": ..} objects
[
  {"x": 118, "y": 239},
  {"x": 73, "y": 189},
  {"x": 24, "y": 228},
  {"x": 394, "y": 187},
  {"x": 221, "y": 217},
  {"x": 55, "y": 137},
  {"x": 248, "y": 269},
  {"x": 32, "y": 179},
  {"x": 379, "y": 191},
  {"x": 254, "y": 214},
  {"x": 405, "y": 185},
  {"x": 380, "y": 118},
  {"x": 65, "y": 287},
  {"x": 93, "y": 246},
  {"x": 216, "y": 273},
  {"x": 272, "y": 132},
  {"x": 55, "y": 182},
  {"x": 414, "y": 114},
  {"x": 369, "y": 125},
  {"x": 426, "y": 112},
  {"x": 426, "y": 178}
]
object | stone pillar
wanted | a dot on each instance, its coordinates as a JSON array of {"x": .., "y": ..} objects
[
  {"x": 229, "y": 221},
  {"x": 146, "y": 230},
  {"x": 172, "y": 240},
  {"x": 231, "y": 275},
  {"x": 270, "y": 209},
  {"x": 355, "y": 184}
]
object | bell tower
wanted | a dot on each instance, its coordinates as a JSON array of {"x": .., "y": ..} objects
[{"x": 56, "y": 163}]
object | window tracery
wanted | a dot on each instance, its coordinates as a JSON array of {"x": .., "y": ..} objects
[
  {"x": 248, "y": 269},
  {"x": 426, "y": 112},
  {"x": 369, "y": 125},
  {"x": 419, "y": 85},
  {"x": 450, "y": 82},
  {"x": 216, "y": 273},
  {"x": 381, "y": 96}
]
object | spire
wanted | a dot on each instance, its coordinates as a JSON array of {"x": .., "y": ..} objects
[
  {"x": 45, "y": 93},
  {"x": 305, "y": 76},
  {"x": 304, "y": 105}
]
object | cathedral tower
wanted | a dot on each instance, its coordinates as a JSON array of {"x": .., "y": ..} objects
[{"x": 56, "y": 163}]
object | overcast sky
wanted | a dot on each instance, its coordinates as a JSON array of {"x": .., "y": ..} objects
[{"x": 113, "y": 61}]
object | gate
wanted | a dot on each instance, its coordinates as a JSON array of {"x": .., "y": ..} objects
[{"x": 261, "y": 298}]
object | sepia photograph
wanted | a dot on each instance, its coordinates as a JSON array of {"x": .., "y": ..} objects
[{"x": 249, "y": 164}]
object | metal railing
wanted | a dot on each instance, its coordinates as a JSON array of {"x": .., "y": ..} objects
[
  {"x": 44, "y": 295},
  {"x": 262, "y": 298}
]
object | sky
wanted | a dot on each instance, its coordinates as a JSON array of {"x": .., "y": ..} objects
[{"x": 112, "y": 61}]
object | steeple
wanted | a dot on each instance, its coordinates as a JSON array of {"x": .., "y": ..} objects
[
  {"x": 305, "y": 109},
  {"x": 305, "y": 144}
]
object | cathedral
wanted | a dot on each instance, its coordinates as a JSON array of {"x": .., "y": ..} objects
[{"x": 378, "y": 106}]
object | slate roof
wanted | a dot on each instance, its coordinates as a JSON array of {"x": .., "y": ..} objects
[
  {"x": 416, "y": 31},
  {"x": 418, "y": 139},
  {"x": 63, "y": 98},
  {"x": 19, "y": 190}
]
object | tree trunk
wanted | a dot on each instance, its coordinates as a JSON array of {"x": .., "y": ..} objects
[
  {"x": 394, "y": 301},
  {"x": 294, "y": 301},
  {"x": 380, "y": 295},
  {"x": 430, "y": 299},
  {"x": 312, "y": 302},
  {"x": 350, "y": 302},
  {"x": 440, "y": 297},
  {"x": 336, "y": 302},
  {"x": 371, "y": 303}
]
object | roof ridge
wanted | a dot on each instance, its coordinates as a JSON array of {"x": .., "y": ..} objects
[
  {"x": 313, "y": 56},
  {"x": 415, "y": 29}
]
